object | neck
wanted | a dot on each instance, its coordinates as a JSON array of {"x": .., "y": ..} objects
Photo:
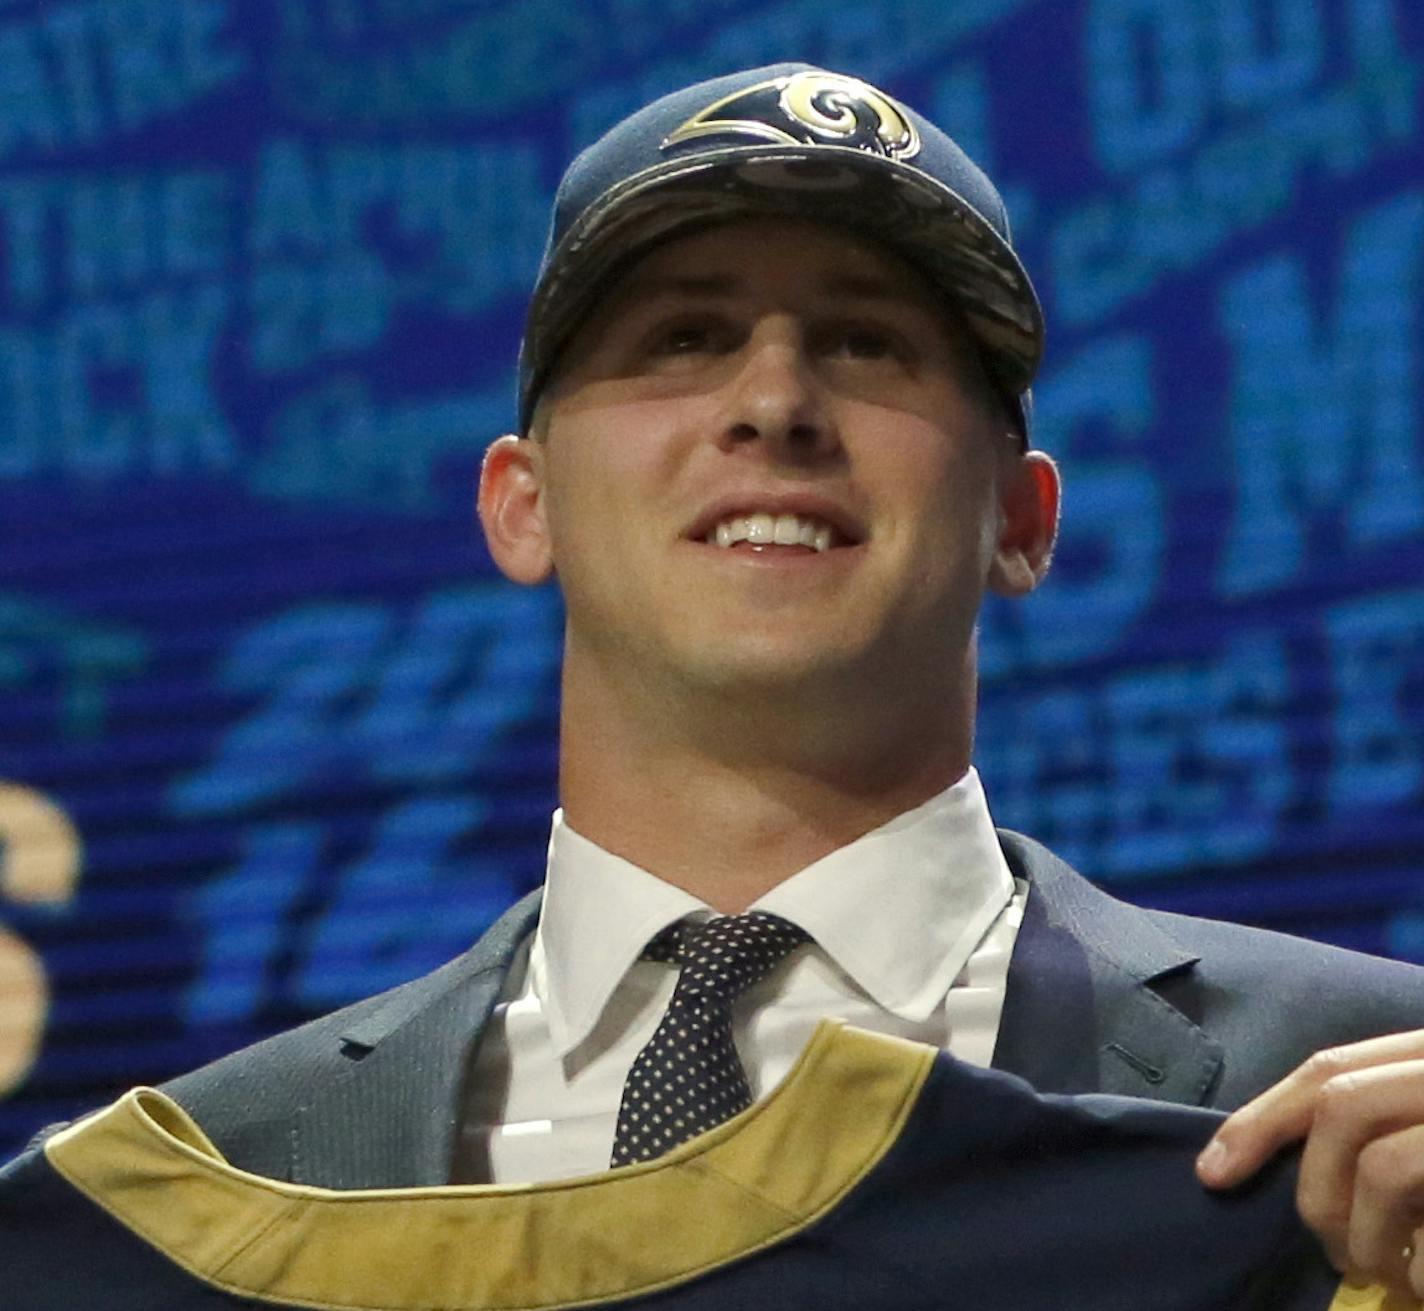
[{"x": 730, "y": 799}]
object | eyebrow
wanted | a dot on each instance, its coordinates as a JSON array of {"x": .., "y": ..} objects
[
  {"x": 837, "y": 283},
  {"x": 712, "y": 284}
]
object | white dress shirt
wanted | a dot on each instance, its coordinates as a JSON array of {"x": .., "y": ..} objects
[{"x": 912, "y": 926}]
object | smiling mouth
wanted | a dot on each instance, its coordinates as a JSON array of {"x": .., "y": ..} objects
[{"x": 763, "y": 531}]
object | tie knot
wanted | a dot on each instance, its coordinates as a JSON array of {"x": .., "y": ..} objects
[{"x": 727, "y": 954}]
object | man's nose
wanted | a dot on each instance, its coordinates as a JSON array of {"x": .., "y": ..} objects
[{"x": 778, "y": 397}]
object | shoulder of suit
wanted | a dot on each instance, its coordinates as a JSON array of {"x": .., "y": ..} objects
[
  {"x": 269, "y": 1080},
  {"x": 1360, "y": 994}
]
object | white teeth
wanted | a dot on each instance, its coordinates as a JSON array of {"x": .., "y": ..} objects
[
  {"x": 767, "y": 529},
  {"x": 761, "y": 529}
]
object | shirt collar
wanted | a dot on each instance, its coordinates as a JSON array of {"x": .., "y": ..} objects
[
  {"x": 936, "y": 879},
  {"x": 598, "y": 913},
  {"x": 935, "y": 876}
]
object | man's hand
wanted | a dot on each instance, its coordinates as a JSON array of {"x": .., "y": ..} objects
[{"x": 1360, "y": 1110}]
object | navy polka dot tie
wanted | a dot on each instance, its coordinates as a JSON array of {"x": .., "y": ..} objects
[{"x": 688, "y": 1078}]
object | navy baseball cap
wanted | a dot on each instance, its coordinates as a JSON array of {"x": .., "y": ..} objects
[{"x": 794, "y": 140}]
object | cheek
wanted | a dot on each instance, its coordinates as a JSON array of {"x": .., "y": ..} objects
[
  {"x": 584, "y": 483},
  {"x": 619, "y": 449},
  {"x": 957, "y": 506},
  {"x": 602, "y": 511}
]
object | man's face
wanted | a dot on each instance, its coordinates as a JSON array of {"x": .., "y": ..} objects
[{"x": 771, "y": 460}]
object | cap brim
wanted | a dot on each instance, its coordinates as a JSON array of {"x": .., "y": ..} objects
[{"x": 891, "y": 202}]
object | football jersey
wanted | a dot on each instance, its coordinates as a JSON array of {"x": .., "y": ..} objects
[{"x": 881, "y": 1174}]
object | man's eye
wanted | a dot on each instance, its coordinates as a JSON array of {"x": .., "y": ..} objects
[
  {"x": 862, "y": 342},
  {"x": 684, "y": 339}
]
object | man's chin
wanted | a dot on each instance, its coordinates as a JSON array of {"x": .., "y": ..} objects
[{"x": 765, "y": 669}]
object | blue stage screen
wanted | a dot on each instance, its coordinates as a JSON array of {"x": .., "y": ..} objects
[{"x": 273, "y": 733}]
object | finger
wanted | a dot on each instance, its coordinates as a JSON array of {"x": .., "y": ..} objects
[
  {"x": 1413, "y": 1257},
  {"x": 1357, "y": 1115},
  {"x": 1284, "y": 1112},
  {"x": 1388, "y": 1206}
]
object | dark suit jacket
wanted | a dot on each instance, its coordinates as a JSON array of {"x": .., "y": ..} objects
[{"x": 1102, "y": 996}]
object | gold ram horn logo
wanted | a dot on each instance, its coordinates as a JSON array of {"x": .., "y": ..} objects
[{"x": 812, "y": 108}]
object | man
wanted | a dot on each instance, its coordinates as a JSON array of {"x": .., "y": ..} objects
[{"x": 776, "y": 447}]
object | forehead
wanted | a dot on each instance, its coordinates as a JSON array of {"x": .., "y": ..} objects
[{"x": 790, "y": 261}]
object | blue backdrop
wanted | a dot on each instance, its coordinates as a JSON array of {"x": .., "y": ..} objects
[{"x": 272, "y": 736}]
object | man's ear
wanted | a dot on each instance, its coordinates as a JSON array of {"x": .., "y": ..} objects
[
  {"x": 511, "y": 508},
  {"x": 1029, "y": 527}
]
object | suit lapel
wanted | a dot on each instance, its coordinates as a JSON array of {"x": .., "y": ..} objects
[
  {"x": 1084, "y": 1011},
  {"x": 388, "y": 1119}
]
